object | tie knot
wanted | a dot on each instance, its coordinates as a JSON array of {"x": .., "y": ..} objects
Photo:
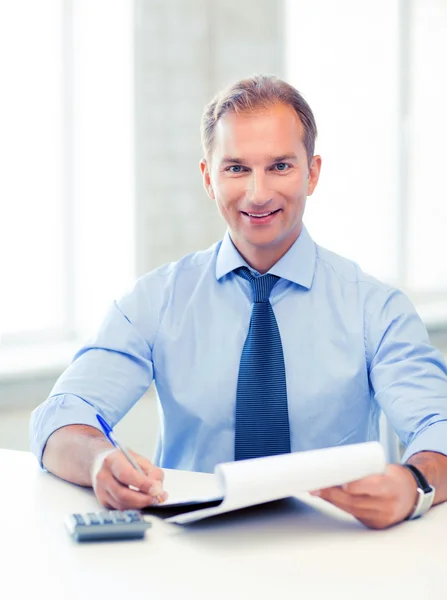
[{"x": 261, "y": 286}]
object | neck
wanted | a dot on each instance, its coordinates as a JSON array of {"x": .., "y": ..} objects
[{"x": 262, "y": 258}]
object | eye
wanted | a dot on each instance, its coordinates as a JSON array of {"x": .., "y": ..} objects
[
  {"x": 281, "y": 166},
  {"x": 235, "y": 169}
]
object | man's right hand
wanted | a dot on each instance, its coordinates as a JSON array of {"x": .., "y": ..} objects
[{"x": 112, "y": 474}]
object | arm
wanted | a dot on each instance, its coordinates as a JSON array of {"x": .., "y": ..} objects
[
  {"x": 70, "y": 453},
  {"x": 379, "y": 501},
  {"x": 409, "y": 379},
  {"x": 107, "y": 376},
  {"x": 82, "y": 455}
]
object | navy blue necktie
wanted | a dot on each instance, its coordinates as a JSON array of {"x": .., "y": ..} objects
[{"x": 262, "y": 419}]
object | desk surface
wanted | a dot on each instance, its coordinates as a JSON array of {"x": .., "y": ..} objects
[{"x": 293, "y": 548}]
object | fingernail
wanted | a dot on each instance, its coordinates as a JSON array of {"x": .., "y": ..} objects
[
  {"x": 155, "y": 501},
  {"x": 316, "y": 493}
]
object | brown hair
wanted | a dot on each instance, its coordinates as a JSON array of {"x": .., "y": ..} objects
[{"x": 257, "y": 92}]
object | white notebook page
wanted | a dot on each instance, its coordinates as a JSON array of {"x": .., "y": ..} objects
[{"x": 255, "y": 481}]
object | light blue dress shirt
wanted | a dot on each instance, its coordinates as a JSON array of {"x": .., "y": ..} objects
[{"x": 352, "y": 346}]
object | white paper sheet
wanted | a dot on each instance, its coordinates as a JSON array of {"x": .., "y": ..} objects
[{"x": 255, "y": 481}]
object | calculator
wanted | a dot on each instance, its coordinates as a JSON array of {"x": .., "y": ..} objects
[{"x": 107, "y": 525}]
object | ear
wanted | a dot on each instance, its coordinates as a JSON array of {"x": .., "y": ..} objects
[
  {"x": 206, "y": 178},
  {"x": 314, "y": 174}
]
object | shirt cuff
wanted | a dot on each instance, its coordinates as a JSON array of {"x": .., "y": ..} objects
[
  {"x": 54, "y": 413},
  {"x": 432, "y": 439}
]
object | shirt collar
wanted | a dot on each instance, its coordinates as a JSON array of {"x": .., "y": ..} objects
[{"x": 297, "y": 264}]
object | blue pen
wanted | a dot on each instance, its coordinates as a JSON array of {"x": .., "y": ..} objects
[{"x": 108, "y": 432}]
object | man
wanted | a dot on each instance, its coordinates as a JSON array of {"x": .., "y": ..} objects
[{"x": 265, "y": 343}]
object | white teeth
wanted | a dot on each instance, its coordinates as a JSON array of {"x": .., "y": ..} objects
[{"x": 264, "y": 215}]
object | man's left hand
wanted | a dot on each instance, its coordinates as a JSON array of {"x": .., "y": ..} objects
[{"x": 377, "y": 501}]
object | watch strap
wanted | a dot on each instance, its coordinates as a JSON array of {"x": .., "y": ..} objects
[
  {"x": 420, "y": 478},
  {"x": 426, "y": 493}
]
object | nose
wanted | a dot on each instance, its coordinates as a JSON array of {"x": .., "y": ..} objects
[{"x": 258, "y": 191}]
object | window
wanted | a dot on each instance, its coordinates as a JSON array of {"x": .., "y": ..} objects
[
  {"x": 32, "y": 227},
  {"x": 66, "y": 116},
  {"x": 375, "y": 77}
]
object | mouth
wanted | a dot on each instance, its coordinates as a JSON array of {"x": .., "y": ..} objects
[{"x": 261, "y": 218}]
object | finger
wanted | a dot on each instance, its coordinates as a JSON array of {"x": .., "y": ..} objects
[
  {"x": 376, "y": 512},
  {"x": 125, "y": 473},
  {"x": 112, "y": 501},
  {"x": 109, "y": 501},
  {"x": 353, "y": 504},
  {"x": 123, "y": 498},
  {"x": 373, "y": 485},
  {"x": 373, "y": 514},
  {"x": 153, "y": 472},
  {"x": 149, "y": 468},
  {"x": 121, "y": 493},
  {"x": 104, "y": 498}
]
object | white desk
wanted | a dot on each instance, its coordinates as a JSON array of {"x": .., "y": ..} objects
[{"x": 284, "y": 550}]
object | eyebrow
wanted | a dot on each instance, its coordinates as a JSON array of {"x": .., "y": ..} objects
[{"x": 273, "y": 159}]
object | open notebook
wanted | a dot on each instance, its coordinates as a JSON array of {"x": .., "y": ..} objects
[{"x": 255, "y": 481}]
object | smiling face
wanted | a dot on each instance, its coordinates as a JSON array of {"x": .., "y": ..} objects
[{"x": 259, "y": 176}]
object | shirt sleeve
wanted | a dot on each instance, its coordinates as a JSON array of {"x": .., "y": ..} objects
[
  {"x": 108, "y": 375},
  {"x": 408, "y": 375}
]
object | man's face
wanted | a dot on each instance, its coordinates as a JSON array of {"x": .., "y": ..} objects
[{"x": 260, "y": 178}]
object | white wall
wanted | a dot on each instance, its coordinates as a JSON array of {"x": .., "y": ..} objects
[{"x": 185, "y": 52}]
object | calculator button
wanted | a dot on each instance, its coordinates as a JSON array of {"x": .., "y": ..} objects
[
  {"x": 93, "y": 519},
  {"x": 133, "y": 516},
  {"x": 79, "y": 519},
  {"x": 135, "y": 519},
  {"x": 106, "y": 518},
  {"x": 119, "y": 516}
]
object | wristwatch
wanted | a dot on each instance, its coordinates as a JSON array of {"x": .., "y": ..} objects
[{"x": 426, "y": 493}]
